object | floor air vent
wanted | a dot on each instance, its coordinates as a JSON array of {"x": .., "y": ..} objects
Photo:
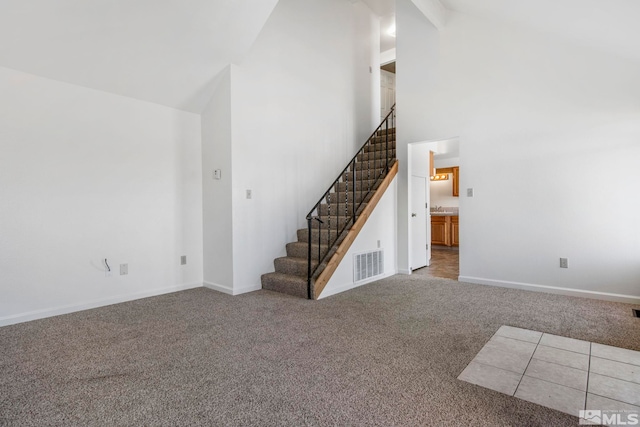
[
  {"x": 636, "y": 312},
  {"x": 367, "y": 265}
]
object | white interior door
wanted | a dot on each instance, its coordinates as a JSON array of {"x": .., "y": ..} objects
[
  {"x": 387, "y": 92},
  {"x": 419, "y": 256}
]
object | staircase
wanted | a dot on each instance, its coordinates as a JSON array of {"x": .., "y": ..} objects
[{"x": 334, "y": 222}]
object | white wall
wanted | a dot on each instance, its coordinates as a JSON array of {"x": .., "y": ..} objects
[
  {"x": 539, "y": 121},
  {"x": 87, "y": 175},
  {"x": 380, "y": 227},
  {"x": 416, "y": 60},
  {"x": 442, "y": 191},
  {"x": 303, "y": 100},
  {"x": 216, "y": 193}
]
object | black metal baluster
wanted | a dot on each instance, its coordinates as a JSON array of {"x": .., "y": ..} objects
[
  {"x": 353, "y": 197},
  {"x": 328, "y": 227},
  {"x": 346, "y": 193},
  {"x": 386, "y": 123},
  {"x": 369, "y": 165},
  {"x": 309, "y": 258}
]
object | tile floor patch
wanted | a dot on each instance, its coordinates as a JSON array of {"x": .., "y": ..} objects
[
  {"x": 557, "y": 372},
  {"x": 503, "y": 359},
  {"x": 490, "y": 377},
  {"x": 506, "y": 353},
  {"x": 602, "y": 403},
  {"x": 563, "y": 343},
  {"x": 615, "y": 389},
  {"x": 512, "y": 345},
  {"x": 554, "y": 396},
  {"x": 614, "y": 353},
  {"x": 554, "y": 373},
  {"x": 519, "y": 334},
  {"x": 619, "y": 370},
  {"x": 562, "y": 357}
]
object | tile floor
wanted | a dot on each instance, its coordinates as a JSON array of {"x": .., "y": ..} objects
[
  {"x": 561, "y": 373},
  {"x": 444, "y": 263}
]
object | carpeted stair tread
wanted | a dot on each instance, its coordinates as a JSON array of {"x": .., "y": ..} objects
[
  {"x": 377, "y": 164},
  {"x": 341, "y": 209},
  {"x": 361, "y": 185},
  {"x": 382, "y": 139},
  {"x": 370, "y": 155},
  {"x": 362, "y": 175},
  {"x": 293, "y": 266},
  {"x": 301, "y": 250},
  {"x": 379, "y": 147},
  {"x": 285, "y": 283},
  {"x": 303, "y": 235},
  {"x": 337, "y": 222},
  {"x": 386, "y": 131}
]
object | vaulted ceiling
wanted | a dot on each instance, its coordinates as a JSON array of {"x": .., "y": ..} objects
[
  {"x": 169, "y": 51},
  {"x": 165, "y": 52},
  {"x": 608, "y": 25}
]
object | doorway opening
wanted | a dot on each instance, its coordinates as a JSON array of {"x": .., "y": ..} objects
[
  {"x": 439, "y": 161},
  {"x": 387, "y": 88}
]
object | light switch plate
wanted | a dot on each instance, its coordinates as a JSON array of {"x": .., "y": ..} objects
[{"x": 469, "y": 192}]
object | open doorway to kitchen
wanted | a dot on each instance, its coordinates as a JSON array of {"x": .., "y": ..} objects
[{"x": 444, "y": 208}]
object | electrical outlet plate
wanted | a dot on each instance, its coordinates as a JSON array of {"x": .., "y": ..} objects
[
  {"x": 564, "y": 262},
  {"x": 124, "y": 269},
  {"x": 469, "y": 192},
  {"x": 183, "y": 260}
]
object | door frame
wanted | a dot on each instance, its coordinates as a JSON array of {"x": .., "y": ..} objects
[
  {"x": 418, "y": 165},
  {"x": 421, "y": 213}
]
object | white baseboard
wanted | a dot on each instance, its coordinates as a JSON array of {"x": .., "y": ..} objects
[
  {"x": 246, "y": 289},
  {"x": 229, "y": 291},
  {"x": 220, "y": 288},
  {"x": 347, "y": 286},
  {"x": 606, "y": 296},
  {"x": 72, "y": 308},
  {"x": 403, "y": 271}
]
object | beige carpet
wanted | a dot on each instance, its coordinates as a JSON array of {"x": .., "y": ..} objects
[{"x": 384, "y": 354}]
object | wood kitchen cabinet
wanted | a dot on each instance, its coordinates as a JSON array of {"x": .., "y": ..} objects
[
  {"x": 439, "y": 230},
  {"x": 444, "y": 230},
  {"x": 455, "y": 173},
  {"x": 455, "y": 231},
  {"x": 456, "y": 180}
]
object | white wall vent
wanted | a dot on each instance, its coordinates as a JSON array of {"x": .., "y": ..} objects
[{"x": 368, "y": 264}]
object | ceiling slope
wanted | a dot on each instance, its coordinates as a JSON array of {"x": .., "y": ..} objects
[
  {"x": 163, "y": 51},
  {"x": 606, "y": 25}
]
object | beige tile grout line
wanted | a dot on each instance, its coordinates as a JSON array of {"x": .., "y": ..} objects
[
  {"x": 586, "y": 392},
  {"x": 550, "y": 346},
  {"x": 527, "y": 367}
]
